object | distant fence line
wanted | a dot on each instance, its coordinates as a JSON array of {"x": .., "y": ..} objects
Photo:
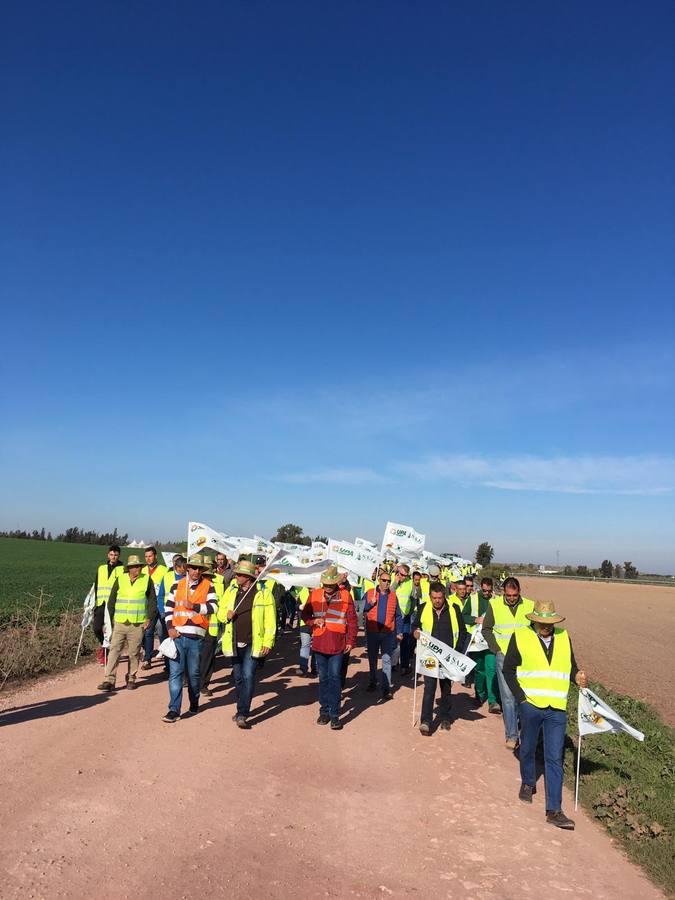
[{"x": 662, "y": 582}]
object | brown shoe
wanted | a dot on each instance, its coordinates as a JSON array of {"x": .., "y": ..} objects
[
  {"x": 511, "y": 744},
  {"x": 146, "y": 666},
  {"x": 525, "y": 793},
  {"x": 425, "y": 729},
  {"x": 106, "y": 686},
  {"x": 445, "y": 725},
  {"x": 131, "y": 684},
  {"x": 559, "y": 819}
]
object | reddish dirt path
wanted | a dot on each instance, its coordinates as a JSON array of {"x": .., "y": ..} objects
[
  {"x": 622, "y": 635},
  {"x": 97, "y": 802}
]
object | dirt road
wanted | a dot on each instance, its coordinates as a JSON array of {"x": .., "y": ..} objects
[
  {"x": 622, "y": 634},
  {"x": 102, "y": 799}
]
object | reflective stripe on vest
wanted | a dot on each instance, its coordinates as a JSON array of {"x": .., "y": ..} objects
[
  {"x": 506, "y": 623},
  {"x": 219, "y": 587},
  {"x": 333, "y": 610},
  {"x": 403, "y": 594},
  {"x": 183, "y": 614},
  {"x": 474, "y": 610},
  {"x": 427, "y": 619},
  {"x": 130, "y": 605},
  {"x": 545, "y": 684},
  {"x": 104, "y": 583}
]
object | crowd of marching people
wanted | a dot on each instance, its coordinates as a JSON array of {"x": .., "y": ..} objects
[{"x": 201, "y": 608}]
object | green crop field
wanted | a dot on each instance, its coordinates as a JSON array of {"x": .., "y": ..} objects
[{"x": 65, "y": 571}]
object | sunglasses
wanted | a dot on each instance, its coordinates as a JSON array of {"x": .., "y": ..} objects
[{"x": 385, "y": 580}]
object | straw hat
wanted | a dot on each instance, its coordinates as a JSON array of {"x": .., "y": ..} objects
[
  {"x": 133, "y": 561},
  {"x": 197, "y": 561},
  {"x": 245, "y": 567},
  {"x": 330, "y": 576},
  {"x": 544, "y": 612}
]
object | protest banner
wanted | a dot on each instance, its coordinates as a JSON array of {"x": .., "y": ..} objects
[
  {"x": 477, "y": 643},
  {"x": 399, "y": 539},
  {"x": 456, "y": 664}
]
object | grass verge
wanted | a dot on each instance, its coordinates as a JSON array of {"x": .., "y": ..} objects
[
  {"x": 38, "y": 640},
  {"x": 629, "y": 785}
]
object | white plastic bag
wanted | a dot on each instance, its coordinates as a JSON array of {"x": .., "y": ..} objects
[{"x": 168, "y": 648}]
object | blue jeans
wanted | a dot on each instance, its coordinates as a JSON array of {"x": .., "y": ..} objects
[
  {"x": 244, "y": 669},
  {"x": 149, "y": 636},
  {"x": 189, "y": 656},
  {"x": 386, "y": 642},
  {"x": 509, "y": 705},
  {"x": 330, "y": 677},
  {"x": 554, "y": 723}
]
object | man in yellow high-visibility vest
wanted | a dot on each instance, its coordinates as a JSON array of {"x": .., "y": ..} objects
[
  {"x": 538, "y": 667},
  {"x": 106, "y": 576}
]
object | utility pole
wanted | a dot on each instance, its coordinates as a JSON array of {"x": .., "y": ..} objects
[{"x": 557, "y": 558}]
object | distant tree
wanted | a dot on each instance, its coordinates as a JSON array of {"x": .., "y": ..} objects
[
  {"x": 291, "y": 534},
  {"x": 484, "y": 554},
  {"x": 629, "y": 570},
  {"x": 582, "y": 570},
  {"x": 606, "y": 568},
  {"x": 568, "y": 570},
  {"x": 320, "y": 538},
  {"x": 618, "y": 571}
]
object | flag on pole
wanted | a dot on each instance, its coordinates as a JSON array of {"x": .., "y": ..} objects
[
  {"x": 428, "y": 664},
  {"x": 402, "y": 539},
  {"x": 359, "y": 561},
  {"x": 290, "y": 571},
  {"x": 88, "y": 609},
  {"x": 595, "y": 717},
  {"x": 456, "y": 664},
  {"x": 107, "y": 627},
  {"x": 201, "y": 537},
  {"x": 477, "y": 642}
]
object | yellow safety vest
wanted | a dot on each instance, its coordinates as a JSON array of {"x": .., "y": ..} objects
[
  {"x": 157, "y": 575},
  {"x": 104, "y": 582},
  {"x": 427, "y": 619},
  {"x": 219, "y": 588},
  {"x": 506, "y": 623},
  {"x": 474, "y": 609},
  {"x": 263, "y": 619},
  {"x": 131, "y": 605},
  {"x": 545, "y": 684}
]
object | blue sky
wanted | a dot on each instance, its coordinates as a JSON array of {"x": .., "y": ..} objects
[{"x": 342, "y": 263}]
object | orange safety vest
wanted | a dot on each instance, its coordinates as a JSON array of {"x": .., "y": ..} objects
[
  {"x": 333, "y": 611},
  {"x": 390, "y": 617},
  {"x": 183, "y": 613}
]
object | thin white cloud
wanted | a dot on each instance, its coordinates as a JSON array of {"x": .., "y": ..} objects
[
  {"x": 334, "y": 476},
  {"x": 642, "y": 475}
]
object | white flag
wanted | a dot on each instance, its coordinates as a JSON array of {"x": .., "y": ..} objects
[
  {"x": 167, "y": 556},
  {"x": 88, "y": 609},
  {"x": 595, "y": 716},
  {"x": 477, "y": 642},
  {"x": 290, "y": 571},
  {"x": 362, "y": 542},
  {"x": 401, "y": 539},
  {"x": 201, "y": 537},
  {"x": 359, "y": 561},
  {"x": 455, "y": 663},
  {"x": 107, "y": 627},
  {"x": 427, "y": 664}
]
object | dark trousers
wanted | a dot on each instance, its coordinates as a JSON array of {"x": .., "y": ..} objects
[
  {"x": 97, "y": 622},
  {"x": 330, "y": 673},
  {"x": 429, "y": 696},
  {"x": 244, "y": 670},
  {"x": 406, "y": 646},
  {"x": 207, "y": 662},
  {"x": 149, "y": 636},
  {"x": 345, "y": 666},
  {"x": 554, "y": 725}
]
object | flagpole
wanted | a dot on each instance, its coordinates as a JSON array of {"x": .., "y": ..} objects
[
  {"x": 576, "y": 790},
  {"x": 79, "y": 646},
  {"x": 414, "y": 694}
]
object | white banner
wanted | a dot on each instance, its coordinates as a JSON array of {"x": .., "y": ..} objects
[
  {"x": 288, "y": 564},
  {"x": 477, "y": 642},
  {"x": 359, "y": 561},
  {"x": 362, "y": 542},
  {"x": 427, "y": 664},
  {"x": 595, "y": 717},
  {"x": 88, "y": 607},
  {"x": 319, "y": 550},
  {"x": 167, "y": 556},
  {"x": 402, "y": 539},
  {"x": 455, "y": 663},
  {"x": 201, "y": 537}
]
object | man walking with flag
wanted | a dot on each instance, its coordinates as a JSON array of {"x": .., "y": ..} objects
[
  {"x": 106, "y": 576},
  {"x": 440, "y": 619},
  {"x": 384, "y": 626},
  {"x": 248, "y": 610},
  {"x": 538, "y": 667}
]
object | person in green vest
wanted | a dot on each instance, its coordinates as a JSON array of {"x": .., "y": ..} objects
[
  {"x": 106, "y": 576},
  {"x": 538, "y": 667},
  {"x": 504, "y": 616},
  {"x": 132, "y": 605},
  {"x": 485, "y": 673}
]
